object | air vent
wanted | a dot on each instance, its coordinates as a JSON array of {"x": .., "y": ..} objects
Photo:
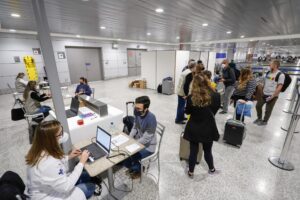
[{"x": 264, "y": 20}]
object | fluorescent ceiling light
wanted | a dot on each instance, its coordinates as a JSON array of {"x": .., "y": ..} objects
[
  {"x": 78, "y": 36},
  {"x": 102, "y": 27},
  {"x": 148, "y": 34},
  {"x": 242, "y": 36},
  {"x": 159, "y": 10},
  {"x": 12, "y": 30},
  {"x": 228, "y": 32},
  {"x": 205, "y": 24},
  {"x": 15, "y": 15}
]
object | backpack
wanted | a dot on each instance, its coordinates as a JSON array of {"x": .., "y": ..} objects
[
  {"x": 287, "y": 80},
  {"x": 12, "y": 186},
  {"x": 159, "y": 88}
]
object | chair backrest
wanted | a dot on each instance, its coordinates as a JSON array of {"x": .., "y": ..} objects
[{"x": 160, "y": 129}]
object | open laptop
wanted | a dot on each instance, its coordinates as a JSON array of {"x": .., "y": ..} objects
[
  {"x": 73, "y": 111},
  {"x": 101, "y": 147}
]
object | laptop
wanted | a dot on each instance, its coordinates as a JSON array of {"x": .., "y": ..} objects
[
  {"x": 73, "y": 111},
  {"x": 101, "y": 147}
]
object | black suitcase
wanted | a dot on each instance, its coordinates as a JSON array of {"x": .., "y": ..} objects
[
  {"x": 128, "y": 121},
  {"x": 234, "y": 132}
]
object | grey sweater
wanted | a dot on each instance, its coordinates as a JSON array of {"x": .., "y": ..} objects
[{"x": 144, "y": 131}]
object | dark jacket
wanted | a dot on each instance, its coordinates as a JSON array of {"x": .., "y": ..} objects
[
  {"x": 201, "y": 126},
  {"x": 228, "y": 76},
  {"x": 187, "y": 83},
  {"x": 84, "y": 88}
]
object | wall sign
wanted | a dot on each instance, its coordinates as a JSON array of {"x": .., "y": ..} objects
[
  {"x": 61, "y": 55},
  {"x": 36, "y": 51},
  {"x": 17, "y": 59}
]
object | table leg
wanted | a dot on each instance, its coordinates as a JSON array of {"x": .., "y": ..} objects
[{"x": 110, "y": 180}]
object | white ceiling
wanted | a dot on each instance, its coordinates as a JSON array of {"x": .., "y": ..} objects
[{"x": 133, "y": 19}]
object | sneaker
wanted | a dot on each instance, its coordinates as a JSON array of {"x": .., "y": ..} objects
[
  {"x": 223, "y": 112},
  {"x": 262, "y": 123},
  {"x": 136, "y": 175},
  {"x": 256, "y": 121},
  {"x": 215, "y": 171},
  {"x": 190, "y": 174}
]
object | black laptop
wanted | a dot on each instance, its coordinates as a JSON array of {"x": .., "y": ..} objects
[
  {"x": 73, "y": 111},
  {"x": 101, "y": 147}
]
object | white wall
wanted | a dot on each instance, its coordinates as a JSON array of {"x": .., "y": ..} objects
[
  {"x": 114, "y": 61},
  {"x": 211, "y": 62},
  {"x": 182, "y": 59},
  {"x": 148, "y": 68},
  {"x": 165, "y": 65}
]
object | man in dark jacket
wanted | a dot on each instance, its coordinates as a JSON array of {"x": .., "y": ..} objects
[{"x": 228, "y": 78}]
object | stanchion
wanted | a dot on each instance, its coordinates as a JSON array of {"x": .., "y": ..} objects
[{"x": 281, "y": 161}]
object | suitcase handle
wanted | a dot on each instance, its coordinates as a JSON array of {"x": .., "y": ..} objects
[
  {"x": 242, "y": 115},
  {"x": 127, "y": 103}
]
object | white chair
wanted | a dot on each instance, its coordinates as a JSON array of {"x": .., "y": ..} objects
[
  {"x": 145, "y": 163},
  {"x": 16, "y": 95}
]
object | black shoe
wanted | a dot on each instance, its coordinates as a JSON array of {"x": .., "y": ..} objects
[{"x": 182, "y": 122}]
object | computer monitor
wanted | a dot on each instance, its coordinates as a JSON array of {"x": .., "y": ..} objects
[
  {"x": 103, "y": 139},
  {"x": 74, "y": 105}
]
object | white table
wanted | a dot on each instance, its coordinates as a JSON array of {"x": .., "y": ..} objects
[{"x": 87, "y": 131}]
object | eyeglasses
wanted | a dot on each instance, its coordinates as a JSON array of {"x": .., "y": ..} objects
[{"x": 61, "y": 133}]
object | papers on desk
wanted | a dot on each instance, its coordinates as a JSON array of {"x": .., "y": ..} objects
[
  {"x": 118, "y": 140},
  {"x": 132, "y": 148},
  {"x": 84, "y": 110}
]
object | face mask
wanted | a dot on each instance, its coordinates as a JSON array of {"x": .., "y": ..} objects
[
  {"x": 223, "y": 66},
  {"x": 138, "y": 113},
  {"x": 64, "y": 138}
]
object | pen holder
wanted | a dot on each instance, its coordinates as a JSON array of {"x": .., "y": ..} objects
[{"x": 80, "y": 122}]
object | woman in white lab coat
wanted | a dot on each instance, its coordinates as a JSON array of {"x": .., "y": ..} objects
[{"x": 47, "y": 172}]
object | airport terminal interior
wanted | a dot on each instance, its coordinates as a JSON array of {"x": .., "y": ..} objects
[{"x": 88, "y": 68}]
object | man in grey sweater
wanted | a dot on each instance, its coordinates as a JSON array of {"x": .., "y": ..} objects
[{"x": 144, "y": 132}]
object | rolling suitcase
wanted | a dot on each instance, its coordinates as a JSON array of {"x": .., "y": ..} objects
[
  {"x": 128, "y": 121},
  {"x": 234, "y": 132},
  {"x": 184, "y": 150},
  {"x": 167, "y": 87}
]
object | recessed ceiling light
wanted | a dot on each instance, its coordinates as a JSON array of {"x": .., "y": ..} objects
[
  {"x": 78, "y": 36},
  {"x": 177, "y": 37},
  {"x": 12, "y": 30},
  {"x": 148, "y": 33},
  {"x": 242, "y": 36},
  {"x": 102, "y": 27},
  {"x": 251, "y": 40},
  {"x": 15, "y": 15},
  {"x": 228, "y": 32},
  {"x": 159, "y": 10},
  {"x": 205, "y": 24}
]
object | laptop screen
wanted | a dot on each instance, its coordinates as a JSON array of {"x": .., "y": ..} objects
[
  {"x": 103, "y": 139},
  {"x": 74, "y": 105}
]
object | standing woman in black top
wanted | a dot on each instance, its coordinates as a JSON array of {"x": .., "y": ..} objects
[{"x": 202, "y": 105}]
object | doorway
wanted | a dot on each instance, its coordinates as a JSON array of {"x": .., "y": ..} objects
[
  {"x": 134, "y": 61},
  {"x": 86, "y": 62}
]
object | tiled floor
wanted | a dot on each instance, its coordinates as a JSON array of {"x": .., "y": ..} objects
[{"x": 245, "y": 172}]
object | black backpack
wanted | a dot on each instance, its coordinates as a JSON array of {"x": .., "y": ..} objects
[
  {"x": 159, "y": 88},
  {"x": 287, "y": 80},
  {"x": 12, "y": 186}
]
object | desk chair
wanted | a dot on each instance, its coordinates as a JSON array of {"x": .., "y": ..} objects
[
  {"x": 145, "y": 163},
  {"x": 16, "y": 95}
]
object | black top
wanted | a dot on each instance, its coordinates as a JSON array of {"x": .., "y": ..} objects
[
  {"x": 187, "y": 82},
  {"x": 38, "y": 97},
  {"x": 229, "y": 76},
  {"x": 201, "y": 126}
]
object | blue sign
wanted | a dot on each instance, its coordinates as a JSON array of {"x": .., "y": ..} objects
[{"x": 220, "y": 55}]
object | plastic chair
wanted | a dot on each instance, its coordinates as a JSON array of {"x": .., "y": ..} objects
[{"x": 145, "y": 163}]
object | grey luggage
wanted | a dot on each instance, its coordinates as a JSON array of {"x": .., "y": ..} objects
[
  {"x": 167, "y": 87},
  {"x": 234, "y": 132},
  {"x": 184, "y": 150}
]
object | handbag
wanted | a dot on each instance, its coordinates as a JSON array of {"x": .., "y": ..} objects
[{"x": 17, "y": 113}]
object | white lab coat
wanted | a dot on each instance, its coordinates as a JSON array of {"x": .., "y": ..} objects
[{"x": 49, "y": 180}]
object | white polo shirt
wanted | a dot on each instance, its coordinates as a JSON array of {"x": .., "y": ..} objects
[{"x": 270, "y": 83}]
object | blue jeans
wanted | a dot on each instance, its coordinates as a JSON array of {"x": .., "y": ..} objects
[
  {"x": 133, "y": 162},
  {"x": 85, "y": 184},
  {"x": 180, "y": 109},
  {"x": 45, "y": 110}
]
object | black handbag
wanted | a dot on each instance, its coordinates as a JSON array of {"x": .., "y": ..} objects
[{"x": 17, "y": 113}]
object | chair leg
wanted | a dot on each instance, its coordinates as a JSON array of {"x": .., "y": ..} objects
[
  {"x": 141, "y": 172},
  {"x": 158, "y": 167}
]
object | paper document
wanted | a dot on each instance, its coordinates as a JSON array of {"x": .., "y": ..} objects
[
  {"x": 132, "y": 148},
  {"x": 119, "y": 140}
]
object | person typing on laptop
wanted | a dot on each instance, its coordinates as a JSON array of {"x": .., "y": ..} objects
[{"x": 144, "y": 132}]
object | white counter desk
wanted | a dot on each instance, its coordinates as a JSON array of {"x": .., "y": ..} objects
[{"x": 87, "y": 131}]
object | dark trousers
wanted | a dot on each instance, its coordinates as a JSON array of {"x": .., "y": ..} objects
[
  {"x": 235, "y": 98},
  {"x": 133, "y": 162},
  {"x": 180, "y": 109},
  {"x": 269, "y": 107},
  {"x": 85, "y": 184},
  {"x": 194, "y": 149}
]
